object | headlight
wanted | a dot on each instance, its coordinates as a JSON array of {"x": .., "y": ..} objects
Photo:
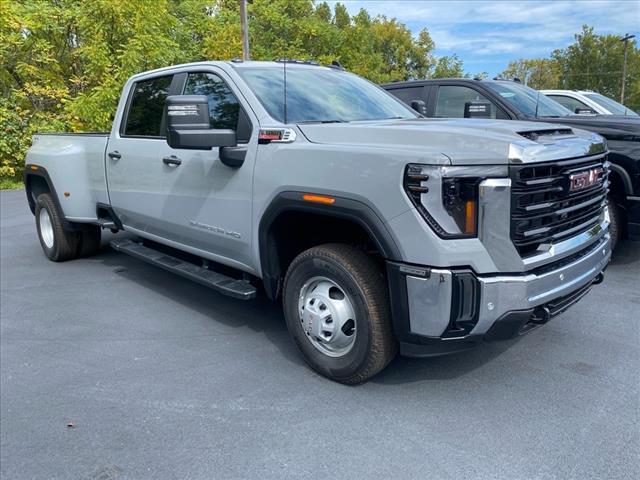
[
  {"x": 447, "y": 197},
  {"x": 460, "y": 200}
]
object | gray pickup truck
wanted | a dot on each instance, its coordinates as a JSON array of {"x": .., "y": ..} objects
[{"x": 379, "y": 230}]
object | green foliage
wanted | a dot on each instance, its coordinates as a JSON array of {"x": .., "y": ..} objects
[
  {"x": 64, "y": 62},
  {"x": 592, "y": 62},
  {"x": 449, "y": 67},
  {"x": 538, "y": 73}
]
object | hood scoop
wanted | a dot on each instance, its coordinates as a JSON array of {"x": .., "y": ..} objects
[{"x": 534, "y": 135}]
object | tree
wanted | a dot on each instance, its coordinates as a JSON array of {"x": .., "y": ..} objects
[
  {"x": 449, "y": 67},
  {"x": 538, "y": 73},
  {"x": 64, "y": 62},
  {"x": 594, "y": 62}
]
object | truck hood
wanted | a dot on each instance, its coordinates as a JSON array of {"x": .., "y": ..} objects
[
  {"x": 463, "y": 141},
  {"x": 609, "y": 126}
]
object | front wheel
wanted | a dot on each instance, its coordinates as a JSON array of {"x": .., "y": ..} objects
[
  {"x": 616, "y": 218},
  {"x": 336, "y": 307}
]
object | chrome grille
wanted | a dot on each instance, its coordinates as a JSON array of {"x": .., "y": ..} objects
[{"x": 543, "y": 208}]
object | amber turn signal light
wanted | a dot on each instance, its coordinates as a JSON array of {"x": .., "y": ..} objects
[{"x": 318, "y": 199}]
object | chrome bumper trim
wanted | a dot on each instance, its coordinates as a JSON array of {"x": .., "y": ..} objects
[
  {"x": 430, "y": 297},
  {"x": 505, "y": 293}
]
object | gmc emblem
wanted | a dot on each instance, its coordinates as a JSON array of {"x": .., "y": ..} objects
[{"x": 582, "y": 180}]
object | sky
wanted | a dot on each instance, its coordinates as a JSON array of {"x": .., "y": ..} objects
[{"x": 487, "y": 34}]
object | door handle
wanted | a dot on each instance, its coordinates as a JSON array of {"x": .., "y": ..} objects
[
  {"x": 114, "y": 155},
  {"x": 172, "y": 161}
]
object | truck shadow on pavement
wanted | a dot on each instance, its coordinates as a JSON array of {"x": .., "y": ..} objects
[
  {"x": 260, "y": 315},
  {"x": 264, "y": 316},
  {"x": 627, "y": 252}
]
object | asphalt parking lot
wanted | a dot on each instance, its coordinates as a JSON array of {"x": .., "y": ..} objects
[{"x": 113, "y": 369}]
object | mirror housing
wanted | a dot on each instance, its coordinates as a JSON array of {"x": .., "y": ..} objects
[
  {"x": 584, "y": 111},
  {"x": 477, "y": 110},
  {"x": 188, "y": 124},
  {"x": 419, "y": 106}
]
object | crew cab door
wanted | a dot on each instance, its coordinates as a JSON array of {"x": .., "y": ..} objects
[
  {"x": 187, "y": 199},
  {"x": 209, "y": 202}
]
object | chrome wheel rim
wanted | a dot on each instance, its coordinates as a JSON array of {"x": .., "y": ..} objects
[
  {"x": 327, "y": 316},
  {"x": 46, "y": 228}
]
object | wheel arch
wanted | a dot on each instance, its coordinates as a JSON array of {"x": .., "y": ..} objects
[
  {"x": 621, "y": 183},
  {"x": 351, "y": 215},
  {"x": 36, "y": 182}
]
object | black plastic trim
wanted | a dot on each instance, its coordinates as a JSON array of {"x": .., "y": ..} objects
[
  {"x": 233, "y": 156},
  {"x": 343, "y": 208},
  {"x": 109, "y": 210},
  {"x": 42, "y": 173},
  {"x": 624, "y": 177}
]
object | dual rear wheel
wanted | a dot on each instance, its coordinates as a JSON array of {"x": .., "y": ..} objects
[{"x": 58, "y": 243}]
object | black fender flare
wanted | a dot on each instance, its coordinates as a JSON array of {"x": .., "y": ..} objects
[
  {"x": 344, "y": 208},
  {"x": 624, "y": 177},
  {"x": 38, "y": 171}
]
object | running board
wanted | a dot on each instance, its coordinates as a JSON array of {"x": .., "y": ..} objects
[{"x": 221, "y": 283}]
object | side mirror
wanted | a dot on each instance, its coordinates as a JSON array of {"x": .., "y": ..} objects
[
  {"x": 419, "y": 106},
  {"x": 188, "y": 124},
  {"x": 477, "y": 110},
  {"x": 584, "y": 111}
]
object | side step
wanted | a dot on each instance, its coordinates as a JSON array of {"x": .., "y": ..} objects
[{"x": 217, "y": 281}]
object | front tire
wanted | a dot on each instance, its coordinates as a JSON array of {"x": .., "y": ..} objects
[
  {"x": 57, "y": 243},
  {"x": 336, "y": 307},
  {"x": 616, "y": 217}
]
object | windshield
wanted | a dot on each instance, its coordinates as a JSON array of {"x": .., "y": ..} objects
[
  {"x": 528, "y": 101},
  {"x": 614, "y": 107},
  {"x": 321, "y": 95}
]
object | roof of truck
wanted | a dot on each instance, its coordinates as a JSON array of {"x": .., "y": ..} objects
[{"x": 237, "y": 63}]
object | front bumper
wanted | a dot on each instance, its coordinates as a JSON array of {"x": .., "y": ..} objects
[{"x": 439, "y": 311}]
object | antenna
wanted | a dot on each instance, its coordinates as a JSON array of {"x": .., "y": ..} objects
[
  {"x": 537, "y": 103},
  {"x": 284, "y": 69}
]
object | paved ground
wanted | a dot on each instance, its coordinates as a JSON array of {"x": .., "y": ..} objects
[{"x": 165, "y": 379}]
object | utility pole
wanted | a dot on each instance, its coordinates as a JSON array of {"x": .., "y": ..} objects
[
  {"x": 244, "y": 24},
  {"x": 624, "y": 39}
]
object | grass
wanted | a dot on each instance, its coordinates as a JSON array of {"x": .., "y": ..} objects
[{"x": 10, "y": 184}]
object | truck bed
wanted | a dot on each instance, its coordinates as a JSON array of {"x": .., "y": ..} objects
[{"x": 75, "y": 164}]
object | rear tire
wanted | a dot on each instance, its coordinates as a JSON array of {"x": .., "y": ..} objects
[
  {"x": 57, "y": 243},
  {"x": 616, "y": 216},
  {"x": 89, "y": 241},
  {"x": 324, "y": 287}
]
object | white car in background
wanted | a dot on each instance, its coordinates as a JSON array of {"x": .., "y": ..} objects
[{"x": 586, "y": 101}]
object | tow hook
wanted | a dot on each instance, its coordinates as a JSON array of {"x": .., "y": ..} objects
[
  {"x": 599, "y": 279},
  {"x": 541, "y": 315}
]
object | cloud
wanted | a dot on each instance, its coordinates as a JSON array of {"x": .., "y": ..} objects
[{"x": 496, "y": 31}]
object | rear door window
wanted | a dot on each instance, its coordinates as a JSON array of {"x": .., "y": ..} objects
[
  {"x": 146, "y": 109},
  {"x": 451, "y": 100}
]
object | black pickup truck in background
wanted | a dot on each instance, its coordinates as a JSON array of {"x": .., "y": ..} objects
[{"x": 511, "y": 100}]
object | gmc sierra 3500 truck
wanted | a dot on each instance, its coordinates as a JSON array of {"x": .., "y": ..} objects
[
  {"x": 378, "y": 229},
  {"x": 511, "y": 100}
]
